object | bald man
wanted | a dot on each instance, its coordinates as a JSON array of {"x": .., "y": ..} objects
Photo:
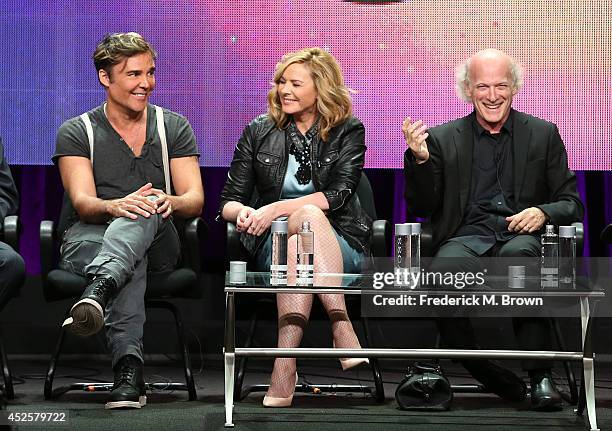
[{"x": 490, "y": 182}]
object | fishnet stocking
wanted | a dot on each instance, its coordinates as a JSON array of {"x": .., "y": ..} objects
[
  {"x": 290, "y": 330},
  {"x": 294, "y": 309}
]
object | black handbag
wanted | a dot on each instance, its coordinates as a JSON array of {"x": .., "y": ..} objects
[{"x": 424, "y": 388}]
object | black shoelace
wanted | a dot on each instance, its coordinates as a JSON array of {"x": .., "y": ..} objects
[{"x": 127, "y": 375}]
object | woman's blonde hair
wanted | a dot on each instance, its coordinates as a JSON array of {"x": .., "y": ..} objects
[{"x": 333, "y": 100}]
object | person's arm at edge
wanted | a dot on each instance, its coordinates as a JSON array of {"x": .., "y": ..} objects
[{"x": 9, "y": 197}]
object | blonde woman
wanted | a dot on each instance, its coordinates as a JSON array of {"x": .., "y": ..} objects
[{"x": 302, "y": 160}]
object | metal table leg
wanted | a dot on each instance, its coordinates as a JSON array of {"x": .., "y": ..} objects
[
  {"x": 588, "y": 366},
  {"x": 229, "y": 357}
]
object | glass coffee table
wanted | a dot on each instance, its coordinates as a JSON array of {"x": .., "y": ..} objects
[{"x": 361, "y": 284}]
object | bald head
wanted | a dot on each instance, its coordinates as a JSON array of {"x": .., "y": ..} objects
[
  {"x": 492, "y": 54},
  {"x": 489, "y": 80},
  {"x": 487, "y": 59}
]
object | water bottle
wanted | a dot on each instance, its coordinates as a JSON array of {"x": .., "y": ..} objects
[
  {"x": 278, "y": 260},
  {"x": 305, "y": 255},
  {"x": 567, "y": 257},
  {"x": 415, "y": 250},
  {"x": 401, "y": 262},
  {"x": 549, "y": 269}
]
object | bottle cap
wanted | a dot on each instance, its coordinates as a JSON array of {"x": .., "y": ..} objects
[
  {"x": 402, "y": 229},
  {"x": 567, "y": 231},
  {"x": 550, "y": 229},
  {"x": 279, "y": 226},
  {"x": 415, "y": 228},
  {"x": 306, "y": 226},
  {"x": 237, "y": 272}
]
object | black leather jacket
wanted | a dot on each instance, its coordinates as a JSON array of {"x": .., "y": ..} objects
[{"x": 260, "y": 161}]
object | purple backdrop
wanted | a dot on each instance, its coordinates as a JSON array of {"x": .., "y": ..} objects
[{"x": 216, "y": 61}]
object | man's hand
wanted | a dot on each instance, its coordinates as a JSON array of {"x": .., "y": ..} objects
[
  {"x": 416, "y": 134},
  {"x": 134, "y": 204},
  {"x": 262, "y": 218},
  {"x": 163, "y": 202},
  {"x": 527, "y": 221}
]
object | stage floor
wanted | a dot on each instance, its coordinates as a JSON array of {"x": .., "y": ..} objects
[{"x": 171, "y": 410}]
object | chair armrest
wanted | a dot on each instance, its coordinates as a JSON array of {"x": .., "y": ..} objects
[
  {"x": 381, "y": 238},
  {"x": 426, "y": 240},
  {"x": 579, "y": 238},
  {"x": 606, "y": 234},
  {"x": 195, "y": 230},
  {"x": 47, "y": 247},
  {"x": 234, "y": 247},
  {"x": 11, "y": 231}
]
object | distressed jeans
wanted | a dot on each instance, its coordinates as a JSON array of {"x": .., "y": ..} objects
[{"x": 125, "y": 250}]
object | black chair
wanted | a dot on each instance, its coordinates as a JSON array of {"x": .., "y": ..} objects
[
  {"x": 10, "y": 235},
  {"x": 182, "y": 282},
  {"x": 380, "y": 243},
  {"x": 606, "y": 234}
]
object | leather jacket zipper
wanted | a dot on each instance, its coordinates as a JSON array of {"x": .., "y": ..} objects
[
  {"x": 312, "y": 163},
  {"x": 284, "y": 172}
]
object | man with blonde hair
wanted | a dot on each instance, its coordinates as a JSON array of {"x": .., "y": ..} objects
[
  {"x": 127, "y": 167},
  {"x": 490, "y": 181}
]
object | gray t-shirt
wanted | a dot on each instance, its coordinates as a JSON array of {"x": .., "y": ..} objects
[{"x": 117, "y": 171}]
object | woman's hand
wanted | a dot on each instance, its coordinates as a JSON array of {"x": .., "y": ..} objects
[
  {"x": 243, "y": 220},
  {"x": 262, "y": 218}
]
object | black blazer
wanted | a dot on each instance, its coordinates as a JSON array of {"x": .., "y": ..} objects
[
  {"x": 440, "y": 187},
  {"x": 259, "y": 165}
]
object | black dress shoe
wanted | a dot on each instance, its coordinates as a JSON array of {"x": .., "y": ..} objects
[
  {"x": 544, "y": 395},
  {"x": 87, "y": 315},
  {"x": 129, "y": 388},
  {"x": 497, "y": 379}
]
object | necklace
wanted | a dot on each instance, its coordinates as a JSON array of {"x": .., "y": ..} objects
[
  {"x": 136, "y": 131},
  {"x": 300, "y": 148}
]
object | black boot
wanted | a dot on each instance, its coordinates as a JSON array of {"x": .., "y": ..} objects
[
  {"x": 544, "y": 394},
  {"x": 87, "y": 315},
  {"x": 129, "y": 388},
  {"x": 497, "y": 379}
]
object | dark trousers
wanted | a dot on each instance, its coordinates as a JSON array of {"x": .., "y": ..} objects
[
  {"x": 532, "y": 333},
  {"x": 12, "y": 273}
]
